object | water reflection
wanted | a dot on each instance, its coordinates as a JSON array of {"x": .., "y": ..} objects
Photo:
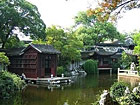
[{"x": 82, "y": 92}]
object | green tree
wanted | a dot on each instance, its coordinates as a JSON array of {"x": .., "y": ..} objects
[
  {"x": 20, "y": 15},
  {"x": 136, "y": 38},
  {"x": 93, "y": 31},
  {"x": 84, "y": 19},
  {"x": 39, "y": 41},
  {"x": 56, "y": 36},
  {"x": 126, "y": 60},
  {"x": 65, "y": 41},
  {"x": 99, "y": 32},
  {"x": 14, "y": 42}
]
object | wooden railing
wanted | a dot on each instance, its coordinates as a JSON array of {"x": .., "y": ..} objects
[{"x": 128, "y": 72}]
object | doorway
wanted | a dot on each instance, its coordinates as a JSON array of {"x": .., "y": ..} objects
[{"x": 47, "y": 65}]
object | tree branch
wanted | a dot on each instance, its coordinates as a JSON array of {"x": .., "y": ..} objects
[
  {"x": 7, "y": 35},
  {"x": 120, "y": 10},
  {"x": 125, "y": 3}
]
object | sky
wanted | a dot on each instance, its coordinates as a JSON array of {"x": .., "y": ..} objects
[{"x": 62, "y": 12}]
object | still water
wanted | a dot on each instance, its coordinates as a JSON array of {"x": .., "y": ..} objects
[{"x": 82, "y": 92}]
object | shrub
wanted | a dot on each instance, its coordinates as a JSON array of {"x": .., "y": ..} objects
[
  {"x": 130, "y": 99},
  {"x": 4, "y": 59},
  {"x": 9, "y": 84},
  {"x": 90, "y": 66},
  {"x": 117, "y": 89},
  {"x": 60, "y": 70}
]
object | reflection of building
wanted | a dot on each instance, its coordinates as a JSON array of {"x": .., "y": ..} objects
[
  {"x": 107, "y": 53},
  {"x": 34, "y": 61}
]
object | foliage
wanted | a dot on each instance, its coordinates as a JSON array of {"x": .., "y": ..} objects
[
  {"x": 22, "y": 16},
  {"x": 90, "y": 66},
  {"x": 93, "y": 31},
  {"x": 116, "y": 64},
  {"x": 117, "y": 89},
  {"x": 4, "y": 59},
  {"x": 130, "y": 99},
  {"x": 111, "y": 9},
  {"x": 39, "y": 41},
  {"x": 136, "y": 38},
  {"x": 16, "y": 99},
  {"x": 100, "y": 32},
  {"x": 126, "y": 60},
  {"x": 9, "y": 84},
  {"x": 84, "y": 19},
  {"x": 119, "y": 98},
  {"x": 60, "y": 70},
  {"x": 14, "y": 42},
  {"x": 67, "y": 42}
]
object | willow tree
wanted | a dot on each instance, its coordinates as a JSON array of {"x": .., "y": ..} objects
[{"x": 22, "y": 16}]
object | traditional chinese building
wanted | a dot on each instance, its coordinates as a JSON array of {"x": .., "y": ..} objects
[
  {"x": 107, "y": 53},
  {"x": 35, "y": 61}
]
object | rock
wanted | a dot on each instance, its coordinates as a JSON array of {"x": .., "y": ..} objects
[
  {"x": 135, "y": 90},
  {"x": 127, "y": 91},
  {"x": 105, "y": 99}
]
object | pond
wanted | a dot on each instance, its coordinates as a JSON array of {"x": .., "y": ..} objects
[{"x": 83, "y": 91}]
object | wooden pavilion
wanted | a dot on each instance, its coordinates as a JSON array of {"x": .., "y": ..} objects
[{"x": 35, "y": 61}]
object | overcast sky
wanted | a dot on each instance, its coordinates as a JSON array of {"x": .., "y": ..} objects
[{"x": 61, "y": 12}]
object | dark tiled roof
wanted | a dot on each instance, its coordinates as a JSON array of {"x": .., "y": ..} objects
[
  {"x": 13, "y": 51},
  {"x": 47, "y": 49},
  {"x": 103, "y": 52},
  {"x": 42, "y": 48}
]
